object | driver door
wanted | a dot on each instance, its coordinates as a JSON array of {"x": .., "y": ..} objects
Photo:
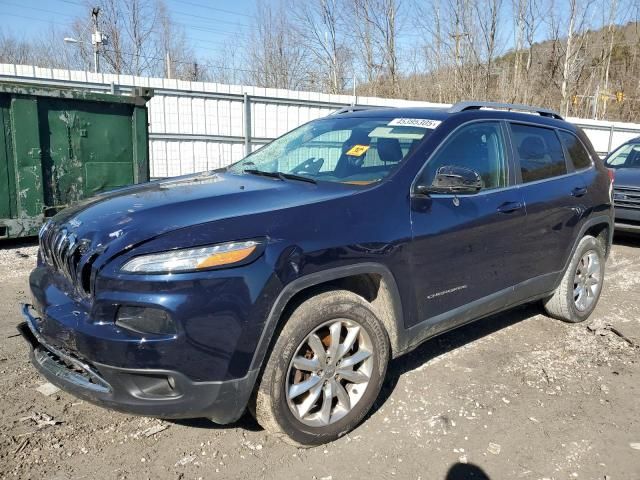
[{"x": 464, "y": 251}]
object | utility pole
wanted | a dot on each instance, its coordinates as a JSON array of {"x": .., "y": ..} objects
[
  {"x": 96, "y": 39},
  {"x": 168, "y": 64},
  {"x": 594, "y": 105},
  {"x": 354, "y": 84}
]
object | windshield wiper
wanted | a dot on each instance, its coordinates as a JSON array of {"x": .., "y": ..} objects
[{"x": 280, "y": 175}]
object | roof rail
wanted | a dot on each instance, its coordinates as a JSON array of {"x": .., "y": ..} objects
[
  {"x": 462, "y": 106},
  {"x": 355, "y": 108}
]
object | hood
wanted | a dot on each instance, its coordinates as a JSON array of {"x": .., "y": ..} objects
[
  {"x": 627, "y": 177},
  {"x": 129, "y": 216}
]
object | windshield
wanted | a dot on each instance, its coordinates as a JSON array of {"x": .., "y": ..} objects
[
  {"x": 358, "y": 151},
  {"x": 627, "y": 156}
]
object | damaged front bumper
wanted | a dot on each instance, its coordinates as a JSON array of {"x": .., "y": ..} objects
[{"x": 150, "y": 392}]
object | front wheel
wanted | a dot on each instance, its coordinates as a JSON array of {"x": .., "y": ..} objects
[
  {"x": 325, "y": 370},
  {"x": 577, "y": 295}
]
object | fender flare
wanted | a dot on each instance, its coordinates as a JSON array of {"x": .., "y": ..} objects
[
  {"x": 318, "y": 278},
  {"x": 591, "y": 222}
]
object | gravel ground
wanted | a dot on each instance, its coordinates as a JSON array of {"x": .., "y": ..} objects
[{"x": 514, "y": 396}]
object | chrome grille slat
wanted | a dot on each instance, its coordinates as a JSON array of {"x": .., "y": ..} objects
[
  {"x": 626, "y": 197},
  {"x": 64, "y": 252}
]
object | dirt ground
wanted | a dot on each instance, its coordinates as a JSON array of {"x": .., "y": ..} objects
[{"x": 516, "y": 396}]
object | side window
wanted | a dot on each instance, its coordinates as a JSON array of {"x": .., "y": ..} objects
[
  {"x": 577, "y": 153},
  {"x": 480, "y": 147},
  {"x": 539, "y": 152}
]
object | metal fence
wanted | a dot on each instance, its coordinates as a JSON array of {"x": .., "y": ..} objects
[{"x": 196, "y": 126}]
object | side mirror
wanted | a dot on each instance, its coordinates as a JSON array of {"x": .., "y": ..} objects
[{"x": 452, "y": 179}]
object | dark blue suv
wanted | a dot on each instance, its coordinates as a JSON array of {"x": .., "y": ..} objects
[{"x": 286, "y": 282}]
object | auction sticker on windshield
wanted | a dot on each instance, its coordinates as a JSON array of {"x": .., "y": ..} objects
[
  {"x": 357, "y": 150},
  {"x": 414, "y": 122}
]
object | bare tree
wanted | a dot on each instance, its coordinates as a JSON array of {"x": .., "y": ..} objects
[
  {"x": 359, "y": 25},
  {"x": 318, "y": 25},
  {"x": 377, "y": 32},
  {"x": 573, "y": 42},
  {"x": 488, "y": 17},
  {"x": 388, "y": 27},
  {"x": 140, "y": 39},
  {"x": 275, "y": 54},
  {"x": 47, "y": 50},
  {"x": 607, "y": 49}
]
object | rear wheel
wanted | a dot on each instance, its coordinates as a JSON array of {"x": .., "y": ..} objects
[
  {"x": 577, "y": 295},
  {"x": 325, "y": 370}
]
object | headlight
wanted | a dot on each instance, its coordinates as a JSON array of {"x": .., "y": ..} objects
[{"x": 192, "y": 259}]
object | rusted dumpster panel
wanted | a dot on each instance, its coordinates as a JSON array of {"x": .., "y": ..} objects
[{"x": 58, "y": 146}]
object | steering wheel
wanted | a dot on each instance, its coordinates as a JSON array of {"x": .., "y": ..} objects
[{"x": 311, "y": 165}]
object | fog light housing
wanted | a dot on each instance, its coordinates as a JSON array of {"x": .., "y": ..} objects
[{"x": 145, "y": 320}]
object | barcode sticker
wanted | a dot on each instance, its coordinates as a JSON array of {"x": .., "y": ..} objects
[{"x": 414, "y": 122}]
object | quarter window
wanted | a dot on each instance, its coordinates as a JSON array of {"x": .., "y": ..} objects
[
  {"x": 539, "y": 152},
  {"x": 577, "y": 153},
  {"x": 479, "y": 147}
]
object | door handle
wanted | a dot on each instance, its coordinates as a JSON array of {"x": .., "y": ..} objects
[
  {"x": 508, "y": 207},
  {"x": 579, "y": 191}
]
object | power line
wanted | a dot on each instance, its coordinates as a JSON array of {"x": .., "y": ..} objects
[
  {"x": 207, "y": 29},
  {"x": 217, "y": 20},
  {"x": 208, "y": 7},
  {"x": 71, "y": 2},
  {"x": 36, "y": 19},
  {"x": 211, "y": 30},
  {"x": 36, "y": 9},
  {"x": 185, "y": 25}
]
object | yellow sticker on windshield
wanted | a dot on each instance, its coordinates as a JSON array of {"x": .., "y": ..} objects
[{"x": 358, "y": 150}]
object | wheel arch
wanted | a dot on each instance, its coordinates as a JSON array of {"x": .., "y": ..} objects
[
  {"x": 373, "y": 281},
  {"x": 601, "y": 227}
]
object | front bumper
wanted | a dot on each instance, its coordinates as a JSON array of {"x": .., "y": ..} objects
[{"x": 150, "y": 392}]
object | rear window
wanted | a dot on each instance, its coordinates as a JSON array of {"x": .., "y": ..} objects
[
  {"x": 578, "y": 154},
  {"x": 539, "y": 152}
]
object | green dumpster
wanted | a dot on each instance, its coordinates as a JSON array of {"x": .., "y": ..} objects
[{"x": 60, "y": 145}]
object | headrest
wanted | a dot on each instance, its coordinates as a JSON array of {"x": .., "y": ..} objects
[
  {"x": 531, "y": 148},
  {"x": 633, "y": 160},
  {"x": 389, "y": 150},
  {"x": 357, "y": 137}
]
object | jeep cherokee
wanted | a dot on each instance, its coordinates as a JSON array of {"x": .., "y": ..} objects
[{"x": 286, "y": 282}]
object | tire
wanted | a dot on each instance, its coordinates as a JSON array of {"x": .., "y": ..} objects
[
  {"x": 566, "y": 303},
  {"x": 279, "y": 407}
]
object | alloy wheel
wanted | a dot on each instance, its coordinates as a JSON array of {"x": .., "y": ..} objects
[
  {"x": 587, "y": 281},
  {"x": 329, "y": 373}
]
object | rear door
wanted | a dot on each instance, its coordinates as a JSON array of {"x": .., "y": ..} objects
[
  {"x": 463, "y": 245},
  {"x": 554, "y": 196}
]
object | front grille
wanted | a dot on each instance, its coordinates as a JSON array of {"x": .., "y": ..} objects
[
  {"x": 70, "y": 256},
  {"x": 626, "y": 197}
]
